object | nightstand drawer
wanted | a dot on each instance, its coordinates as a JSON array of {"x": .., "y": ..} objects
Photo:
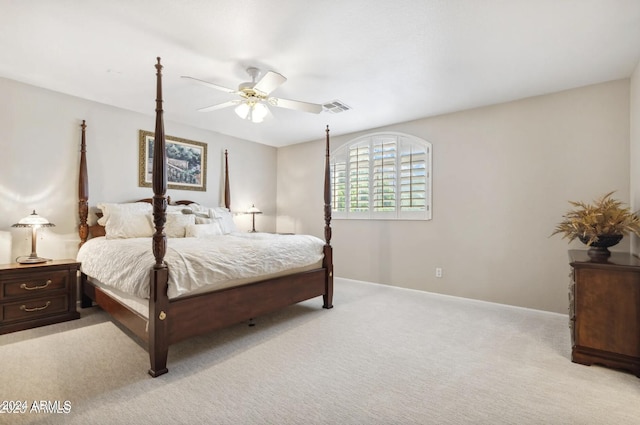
[
  {"x": 31, "y": 309},
  {"x": 34, "y": 284}
]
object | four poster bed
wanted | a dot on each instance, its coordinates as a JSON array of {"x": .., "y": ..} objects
[{"x": 170, "y": 313}]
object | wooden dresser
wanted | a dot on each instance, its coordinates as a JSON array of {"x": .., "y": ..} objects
[
  {"x": 604, "y": 310},
  {"x": 37, "y": 294}
]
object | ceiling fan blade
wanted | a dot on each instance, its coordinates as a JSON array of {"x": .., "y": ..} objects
[
  {"x": 297, "y": 105},
  {"x": 210, "y": 85},
  {"x": 219, "y": 106},
  {"x": 271, "y": 81}
]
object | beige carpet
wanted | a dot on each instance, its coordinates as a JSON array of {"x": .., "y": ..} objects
[{"x": 383, "y": 355}]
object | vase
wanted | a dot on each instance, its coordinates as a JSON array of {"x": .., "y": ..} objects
[{"x": 599, "y": 249}]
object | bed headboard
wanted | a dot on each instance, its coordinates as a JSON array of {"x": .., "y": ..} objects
[{"x": 97, "y": 230}]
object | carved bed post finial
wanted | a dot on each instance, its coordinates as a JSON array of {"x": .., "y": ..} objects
[
  {"x": 227, "y": 192},
  {"x": 83, "y": 189},
  {"x": 327, "y": 193},
  {"x": 159, "y": 177}
]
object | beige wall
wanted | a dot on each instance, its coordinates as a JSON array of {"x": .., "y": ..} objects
[
  {"x": 502, "y": 176},
  {"x": 40, "y": 144},
  {"x": 634, "y": 157}
]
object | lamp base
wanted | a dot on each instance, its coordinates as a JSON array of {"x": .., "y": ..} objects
[{"x": 31, "y": 260}]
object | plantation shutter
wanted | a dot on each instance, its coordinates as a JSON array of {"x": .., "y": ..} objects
[
  {"x": 359, "y": 163},
  {"x": 413, "y": 178},
  {"x": 382, "y": 176},
  {"x": 338, "y": 175}
]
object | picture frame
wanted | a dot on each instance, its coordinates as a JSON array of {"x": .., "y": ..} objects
[{"x": 186, "y": 162}]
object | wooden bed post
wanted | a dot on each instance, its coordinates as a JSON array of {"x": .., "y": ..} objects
[
  {"x": 327, "y": 262},
  {"x": 83, "y": 189},
  {"x": 158, "y": 298},
  {"x": 227, "y": 193}
]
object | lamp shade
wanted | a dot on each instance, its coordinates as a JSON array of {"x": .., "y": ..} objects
[
  {"x": 259, "y": 112},
  {"x": 242, "y": 110},
  {"x": 33, "y": 220},
  {"x": 253, "y": 210}
]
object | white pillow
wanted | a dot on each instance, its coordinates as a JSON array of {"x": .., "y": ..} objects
[
  {"x": 131, "y": 207},
  {"x": 177, "y": 223},
  {"x": 203, "y": 230},
  {"x": 128, "y": 224},
  {"x": 226, "y": 219}
]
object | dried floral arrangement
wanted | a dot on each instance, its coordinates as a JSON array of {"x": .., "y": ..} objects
[{"x": 606, "y": 216}]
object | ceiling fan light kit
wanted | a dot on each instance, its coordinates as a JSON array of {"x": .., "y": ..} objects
[
  {"x": 254, "y": 97},
  {"x": 252, "y": 111}
]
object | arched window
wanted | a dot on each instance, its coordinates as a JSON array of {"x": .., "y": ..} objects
[{"x": 382, "y": 176}]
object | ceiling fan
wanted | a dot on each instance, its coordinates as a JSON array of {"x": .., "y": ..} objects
[{"x": 255, "y": 96}]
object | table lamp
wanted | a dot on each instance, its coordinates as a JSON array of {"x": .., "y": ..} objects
[
  {"x": 34, "y": 221},
  {"x": 253, "y": 211}
]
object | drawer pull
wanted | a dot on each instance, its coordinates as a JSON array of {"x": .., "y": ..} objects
[
  {"x": 28, "y": 310},
  {"x": 31, "y": 288}
]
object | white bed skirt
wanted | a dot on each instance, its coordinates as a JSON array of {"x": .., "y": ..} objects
[{"x": 141, "y": 305}]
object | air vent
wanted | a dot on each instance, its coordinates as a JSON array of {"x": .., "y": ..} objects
[{"x": 335, "y": 107}]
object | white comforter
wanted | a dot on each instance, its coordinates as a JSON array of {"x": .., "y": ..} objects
[{"x": 197, "y": 262}]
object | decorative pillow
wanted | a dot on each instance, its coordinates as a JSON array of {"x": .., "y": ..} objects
[
  {"x": 196, "y": 213},
  {"x": 198, "y": 208},
  {"x": 128, "y": 224},
  {"x": 203, "y": 230},
  {"x": 177, "y": 223},
  {"x": 225, "y": 219},
  {"x": 202, "y": 220},
  {"x": 131, "y": 207}
]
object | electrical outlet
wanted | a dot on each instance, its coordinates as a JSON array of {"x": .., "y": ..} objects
[{"x": 438, "y": 271}]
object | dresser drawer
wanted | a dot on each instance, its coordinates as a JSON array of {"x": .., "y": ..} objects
[
  {"x": 37, "y": 307},
  {"x": 34, "y": 284}
]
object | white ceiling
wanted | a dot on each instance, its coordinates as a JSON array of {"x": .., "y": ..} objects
[{"x": 389, "y": 60}]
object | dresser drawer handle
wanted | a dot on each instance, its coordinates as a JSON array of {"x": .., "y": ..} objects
[
  {"x": 31, "y": 288},
  {"x": 28, "y": 310}
]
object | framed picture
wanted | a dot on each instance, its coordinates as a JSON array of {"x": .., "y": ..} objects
[{"x": 186, "y": 162}]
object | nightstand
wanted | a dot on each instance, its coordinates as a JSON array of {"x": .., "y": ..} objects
[
  {"x": 604, "y": 312},
  {"x": 34, "y": 295}
]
